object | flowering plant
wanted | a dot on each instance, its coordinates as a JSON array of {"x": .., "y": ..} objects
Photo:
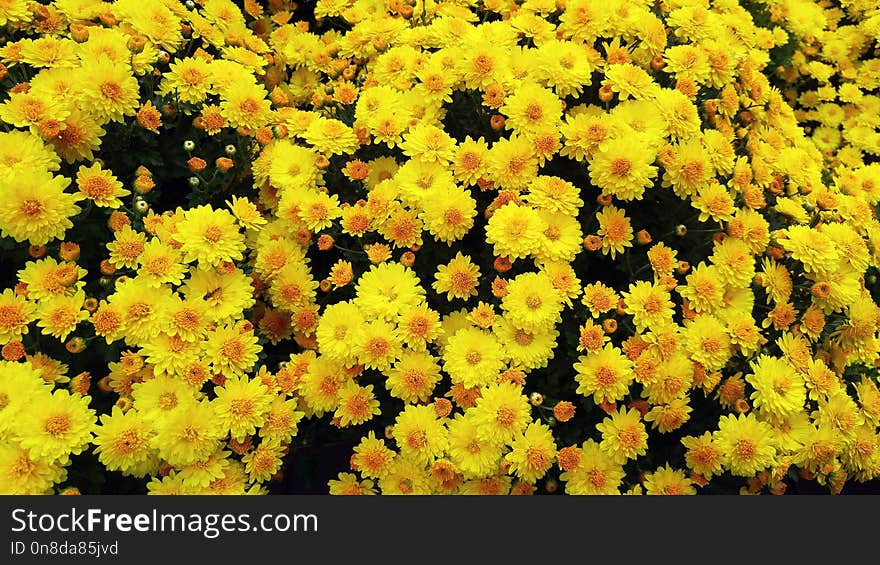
[{"x": 498, "y": 246}]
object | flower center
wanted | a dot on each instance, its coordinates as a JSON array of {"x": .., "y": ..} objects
[
  {"x": 32, "y": 207},
  {"x": 111, "y": 90},
  {"x": 57, "y": 424}
]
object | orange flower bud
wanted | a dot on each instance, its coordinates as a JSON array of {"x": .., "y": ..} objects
[
  {"x": 356, "y": 170},
  {"x": 240, "y": 447},
  {"x": 408, "y": 258},
  {"x": 75, "y": 345},
  {"x": 592, "y": 242},
  {"x": 196, "y": 164},
  {"x": 442, "y": 407},
  {"x": 81, "y": 383},
  {"x": 499, "y": 287},
  {"x": 502, "y": 264},
  {"x": 569, "y": 457},
  {"x": 325, "y": 242},
  {"x": 563, "y": 411},
  {"x": 224, "y": 164},
  {"x": 608, "y": 407},
  {"x": 497, "y": 121},
  {"x": 263, "y": 135},
  {"x": 107, "y": 268},
  {"x": 13, "y": 351},
  {"x": 68, "y": 251},
  {"x": 37, "y": 251},
  {"x": 143, "y": 184},
  {"x": 609, "y": 325},
  {"x": 605, "y": 93}
]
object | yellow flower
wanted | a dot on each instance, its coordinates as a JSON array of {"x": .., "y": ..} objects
[
  {"x": 512, "y": 162},
  {"x": 703, "y": 456},
  {"x": 246, "y": 213},
  {"x": 379, "y": 345},
  {"x": 160, "y": 264},
  {"x": 414, "y": 376},
  {"x": 448, "y": 213},
  {"x": 387, "y": 290},
  {"x": 209, "y": 236},
  {"x": 605, "y": 374},
  {"x": 458, "y": 279},
  {"x": 668, "y": 481},
  {"x": 27, "y": 110},
  {"x": 15, "y": 314},
  {"x": 649, "y": 305},
  {"x": 524, "y": 349},
  {"x": 357, "y": 404},
  {"x": 123, "y": 440},
  {"x": 348, "y": 485},
  {"x": 419, "y": 434},
  {"x": 532, "y": 303},
  {"x": 623, "y": 167},
  {"x": 372, "y": 456},
  {"x": 188, "y": 435},
  {"x": 340, "y": 326},
  {"x": 241, "y": 405},
  {"x": 707, "y": 341},
  {"x": 746, "y": 444},
  {"x": 473, "y": 357},
  {"x": 35, "y": 207},
  {"x": 515, "y": 231},
  {"x": 779, "y": 390},
  {"x": 623, "y": 435},
  {"x": 501, "y": 413},
  {"x": 599, "y": 298},
  {"x": 56, "y": 425},
  {"x": 108, "y": 89},
  {"x": 100, "y": 186},
  {"x": 596, "y": 472},
  {"x": 245, "y": 105},
  {"x": 531, "y": 109},
  {"x": 264, "y": 460},
  {"x": 554, "y": 195},
  {"x": 532, "y": 454},
  {"x": 22, "y": 472},
  {"x": 231, "y": 350},
  {"x": 226, "y": 295},
  {"x": 59, "y": 315},
  {"x": 813, "y": 248},
  {"x": 188, "y": 78},
  {"x": 331, "y": 137},
  {"x": 615, "y": 230},
  {"x": 474, "y": 456}
]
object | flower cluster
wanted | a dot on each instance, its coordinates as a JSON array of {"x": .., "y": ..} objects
[{"x": 497, "y": 247}]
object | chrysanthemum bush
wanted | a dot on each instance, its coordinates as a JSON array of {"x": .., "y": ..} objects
[{"x": 487, "y": 247}]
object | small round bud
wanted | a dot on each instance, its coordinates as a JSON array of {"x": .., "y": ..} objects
[
  {"x": 75, "y": 345},
  {"x": 141, "y": 206},
  {"x": 194, "y": 181},
  {"x": 681, "y": 230},
  {"x": 189, "y": 145},
  {"x": 536, "y": 398},
  {"x": 230, "y": 150}
]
